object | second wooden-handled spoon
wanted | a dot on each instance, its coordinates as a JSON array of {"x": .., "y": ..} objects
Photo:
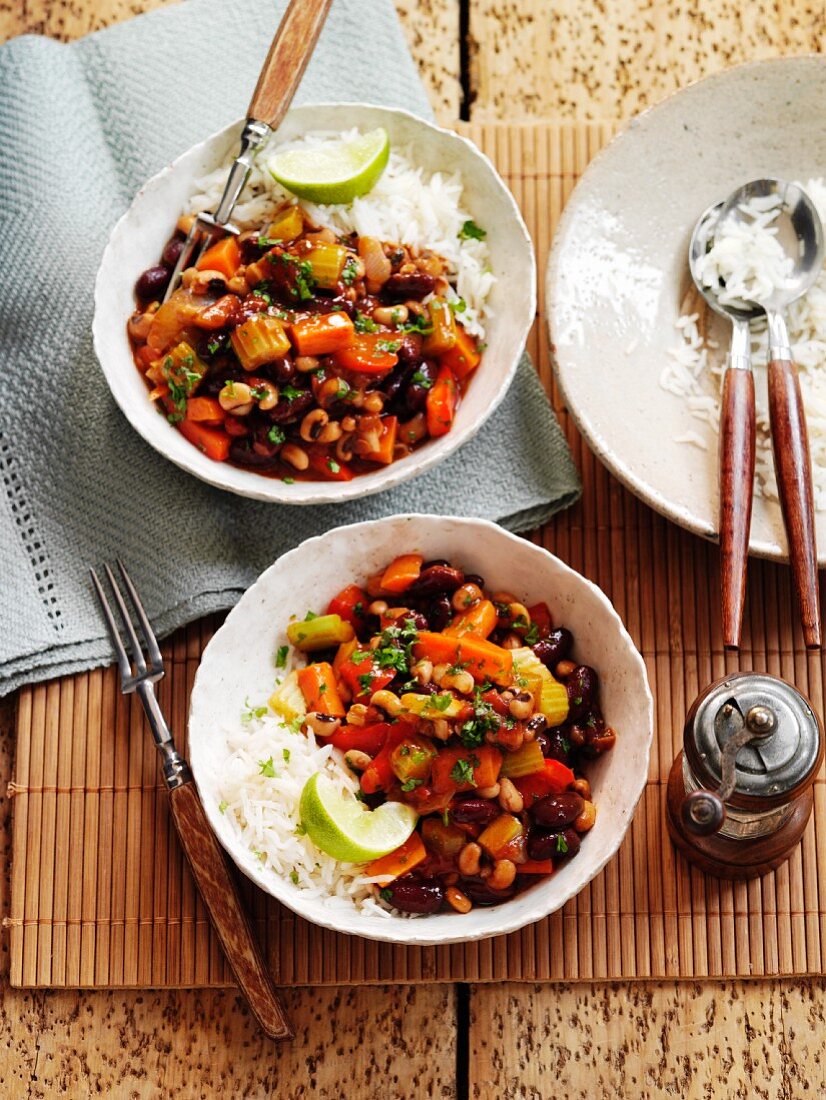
[{"x": 800, "y": 234}]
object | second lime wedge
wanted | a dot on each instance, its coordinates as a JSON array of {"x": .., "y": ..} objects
[
  {"x": 333, "y": 172},
  {"x": 347, "y": 830}
]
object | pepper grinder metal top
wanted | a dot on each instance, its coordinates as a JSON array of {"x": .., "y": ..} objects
[{"x": 739, "y": 795}]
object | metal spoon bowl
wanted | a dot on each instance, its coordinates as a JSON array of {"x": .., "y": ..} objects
[{"x": 701, "y": 241}]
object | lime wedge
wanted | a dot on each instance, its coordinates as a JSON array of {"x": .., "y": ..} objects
[
  {"x": 347, "y": 830},
  {"x": 336, "y": 171}
]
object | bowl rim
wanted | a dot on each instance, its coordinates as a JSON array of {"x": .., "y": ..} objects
[
  {"x": 668, "y": 507},
  {"x": 253, "y": 485},
  {"x": 417, "y": 935}
]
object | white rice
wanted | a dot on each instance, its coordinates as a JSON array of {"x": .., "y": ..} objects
[
  {"x": 406, "y": 206},
  {"x": 750, "y": 265},
  {"x": 263, "y": 810}
]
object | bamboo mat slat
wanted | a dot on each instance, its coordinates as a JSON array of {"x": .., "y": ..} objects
[{"x": 100, "y": 895}]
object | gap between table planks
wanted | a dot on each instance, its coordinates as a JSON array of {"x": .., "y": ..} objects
[{"x": 100, "y": 896}]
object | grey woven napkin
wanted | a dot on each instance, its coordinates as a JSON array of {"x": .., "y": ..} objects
[{"x": 81, "y": 127}]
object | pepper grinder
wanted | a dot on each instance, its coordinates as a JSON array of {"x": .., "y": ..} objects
[{"x": 740, "y": 793}]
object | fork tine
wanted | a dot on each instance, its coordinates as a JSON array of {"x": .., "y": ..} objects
[
  {"x": 137, "y": 652},
  {"x": 155, "y": 658},
  {"x": 123, "y": 660},
  {"x": 193, "y": 246}
]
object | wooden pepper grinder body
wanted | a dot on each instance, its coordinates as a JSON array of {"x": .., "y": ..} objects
[{"x": 740, "y": 793}]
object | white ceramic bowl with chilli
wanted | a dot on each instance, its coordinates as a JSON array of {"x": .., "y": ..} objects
[
  {"x": 238, "y": 662},
  {"x": 138, "y": 239},
  {"x": 618, "y": 275}
]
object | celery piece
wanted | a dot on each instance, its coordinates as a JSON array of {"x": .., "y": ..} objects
[
  {"x": 443, "y": 705},
  {"x": 443, "y": 335},
  {"x": 259, "y": 340},
  {"x": 327, "y": 262},
  {"x": 319, "y": 633},
  {"x": 287, "y": 226},
  {"x": 551, "y": 695},
  {"x": 499, "y": 834},
  {"x": 524, "y": 761},
  {"x": 287, "y": 700}
]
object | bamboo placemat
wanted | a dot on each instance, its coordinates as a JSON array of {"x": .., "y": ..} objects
[{"x": 100, "y": 896}]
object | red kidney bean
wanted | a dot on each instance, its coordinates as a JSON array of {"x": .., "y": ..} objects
[
  {"x": 435, "y": 561},
  {"x": 289, "y": 409},
  {"x": 152, "y": 283},
  {"x": 555, "y": 744},
  {"x": 172, "y": 250},
  {"x": 418, "y": 620},
  {"x": 557, "y": 810},
  {"x": 474, "y": 811},
  {"x": 582, "y": 686},
  {"x": 421, "y": 895},
  {"x": 413, "y": 284},
  {"x": 479, "y": 892},
  {"x": 242, "y": 452},
  {"x": 555, "y": 647},
  {"x": 436, "y": 578},
  {"x": 546, "y": 844},
  {"x": 474, "y": 578},
  {"x": 439, "y": 612},
  {"x": 410, "y": 347},
  {"x": 421, "y": 382},
  {"x": 282, "y": 370}
]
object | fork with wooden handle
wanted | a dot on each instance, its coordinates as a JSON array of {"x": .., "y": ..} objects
[
  {"x": 206, "y": 858},
  {"x": 283, "y": 68}
]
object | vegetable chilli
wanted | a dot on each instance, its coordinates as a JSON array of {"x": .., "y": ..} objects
[{"x": 467, "y": 706}]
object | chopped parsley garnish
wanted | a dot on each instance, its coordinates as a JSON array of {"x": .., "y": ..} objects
[
  {"x": 266, "y": 768},
  {"x": 288, "y": 480},
  {"x": 363, "y": 323},
  {"x": 296, "y": 724},
  {"x": 411, "y": 784},
  {"x": 421, "y": 379},
  {"x": 532, "y": 634},
  {"x": 395, "y": 648},
  {"x": 262, "y": 291},
  {"x": 290, "y": 392},
  {"x": 366, "y": 681},
  {"x": 390, "y": 346},
  {"x": 485, "y": 718},
  {"x": 566, "y": 744},
  {"x": 222, "y": 806},
  {"x": 462, "y": 771},
  {"x": 249, "y": 712},
  {"x": 275, "y": 435},
  {"x": 333, "y": 466},
  {"x": 386, "y": 894},
  {"x": 470, "y": 231},
  {"x": 258, "y": 393},
  {"x": 308, "y": 618},
  {"x": 286, "y": 754},
  {"x": 459, "y": 306},
  {"x": 441, "y": 701},
  {"x": 294, "y": 878},
  {"x": 349, "y": 272},
  {"x": 281, "y": 656},
  {"x": 561, "y": 845},
  {"x": 269, "y": 242},
  {"x": 417, "y": 323},
  {"x": 446, "y": 817}
]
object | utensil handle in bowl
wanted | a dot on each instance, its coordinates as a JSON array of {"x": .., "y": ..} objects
[
  {"x": 737, "y": 449},
  {"x": 226, "y": 910},
  {"x": 793, "y": 466},
  {"x": 289, "y": 54}
]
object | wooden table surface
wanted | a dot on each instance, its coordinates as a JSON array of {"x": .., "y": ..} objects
[{"x": 480, "y": 59}]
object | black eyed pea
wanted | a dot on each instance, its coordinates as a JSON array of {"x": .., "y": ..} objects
[
  {"x": 236, "y": 398},
  {"x": 466, "y": 596},
  {"x": 423, "y": 671},
  {"x": 325, "y": 725},
  {"x": 441, "y": 729},
  {"x": 357, "y": 760},
  {"x": 295, "y": 455},
  {"x": 489, "y": 792},
  {"x": 313, "y": 425},
  {"x": 502, "y": 875},
  {"x": 373, "y": 402},
  {"x": 519, "y": 615},
  {"x": 201, "y": 281},
  {"x": 512, "y": 641},
  {"x": 521, "y": 705},
  {"x": 457, "y": 900},
  {"x": 564, "y": 669},
  {"x": 330, "y": 391},
  {"x": 587, "y": 818},
  {"x": 391, "y": 704},
  {"x": 460, "y": 681},
  {"x": 390, "y": 315},
  {"x": 510, "y": 798},
  {"x": 140, "y": 324},
  {"x": 439, "y": 673},
  {"x": 305, "y": 364},
  {"x": 468, "y": 861},
  {"x": 265, "y": 393},
  {"x": 378, "y": 607},
  {"x": 357, "y": 714},
  {"x": 582, "y": 788}
]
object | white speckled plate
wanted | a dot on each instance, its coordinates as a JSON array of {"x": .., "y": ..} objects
[
  {"x": 618, "y": 273},
  {"x": 138, "y": 238},
  {"x": 238, "y": 662}
]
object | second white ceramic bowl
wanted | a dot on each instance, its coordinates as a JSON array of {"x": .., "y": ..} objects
[
  {"x": 138, "y": 239},
  {"x": 237, "y": 663}
]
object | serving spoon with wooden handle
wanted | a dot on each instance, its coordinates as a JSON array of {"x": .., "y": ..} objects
[{"x": 283, "y": 69}]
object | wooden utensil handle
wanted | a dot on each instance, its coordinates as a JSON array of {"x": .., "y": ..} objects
[
  {"x": 736, "y": 492},
  {"x": 289, "y": 53},
  {"x": 793, "y": 466},
  {"x": 226, "y": 910}
]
